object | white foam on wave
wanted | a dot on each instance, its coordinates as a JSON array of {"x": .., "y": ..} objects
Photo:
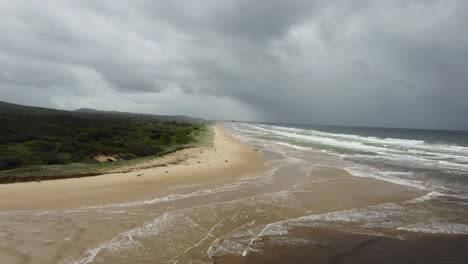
[
  {"x": 373, "y": 218},
  {"x": 408, "y": 143},
  {"x": 410, "y": 179},
  {"x": 181, "y": 222},
  {"x": 244, "y": 241},
  {"x": 126, "y": 240},
  {"x": 293, "y": 146},
  {"x": 452, "y": 165},
  {"x": 427, "y": 197},
  {"x": 89, "y": 256},
  {"x": 389, "y": 176},
  {"x": 379, "y": 216},
  {"x": 333, "y": 142},
  {"x": 437, "y": 227},
  {"x": 345, "y": 137},
  {"x": 248, "y": 238},
  {"x": 122, "y": 242},
  {"x": 243, "y": 182},
  {"x": 428, "y": 155}
]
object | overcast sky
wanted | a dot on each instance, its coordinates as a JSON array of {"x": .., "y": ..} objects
[{"x": 373, "y": 63}]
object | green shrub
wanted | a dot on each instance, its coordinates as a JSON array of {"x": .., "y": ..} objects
[
  {"x": 11, "y": 162},
  {"x": 48, "y": 137}
]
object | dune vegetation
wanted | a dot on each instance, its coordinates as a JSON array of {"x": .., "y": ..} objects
[{"x": 46, "y": 142}]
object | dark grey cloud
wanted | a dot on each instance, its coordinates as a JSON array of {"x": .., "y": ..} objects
[
  {"x": 375, "y": 63},
  {"x": 241, "y": 19}
]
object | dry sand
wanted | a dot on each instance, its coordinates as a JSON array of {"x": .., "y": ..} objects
[{"x": 223, "y": 161}]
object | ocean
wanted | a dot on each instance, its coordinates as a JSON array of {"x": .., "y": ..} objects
[{"x": 433, "y": 160}]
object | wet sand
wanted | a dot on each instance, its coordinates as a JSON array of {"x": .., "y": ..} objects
[{"x": 269, "y": 206}]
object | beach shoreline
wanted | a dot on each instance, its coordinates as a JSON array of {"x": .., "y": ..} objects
[
  {"x": 225, "y": 159},
  {"x": 267, "y": 203}
]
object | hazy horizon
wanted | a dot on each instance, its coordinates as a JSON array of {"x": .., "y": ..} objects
[{"x": 375, "y": 64}]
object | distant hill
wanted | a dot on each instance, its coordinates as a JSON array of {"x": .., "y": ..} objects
[
  {"x": 10, "y": 107},
  {"x": 179, "y": 118},
  {"x": 90, "y": 110}
]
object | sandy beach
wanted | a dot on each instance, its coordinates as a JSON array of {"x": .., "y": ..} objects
[
  {"x": 223, "y": 161},
  {"x": 45, "y": 222},
  {"x": 226, "y": 203}
]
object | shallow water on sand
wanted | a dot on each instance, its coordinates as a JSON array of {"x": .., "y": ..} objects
[{"x": 305, "y": 207}]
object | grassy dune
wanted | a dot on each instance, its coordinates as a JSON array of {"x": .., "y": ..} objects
[{"x": 40, "y": 144}]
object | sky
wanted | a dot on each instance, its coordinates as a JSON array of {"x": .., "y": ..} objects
[{"x": 362, "y": 63}]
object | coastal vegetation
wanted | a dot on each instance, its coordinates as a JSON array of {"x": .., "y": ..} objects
[{"x": 39, "y": 143}]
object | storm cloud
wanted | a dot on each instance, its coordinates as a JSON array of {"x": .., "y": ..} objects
[{"x": 371, "y": 63}]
